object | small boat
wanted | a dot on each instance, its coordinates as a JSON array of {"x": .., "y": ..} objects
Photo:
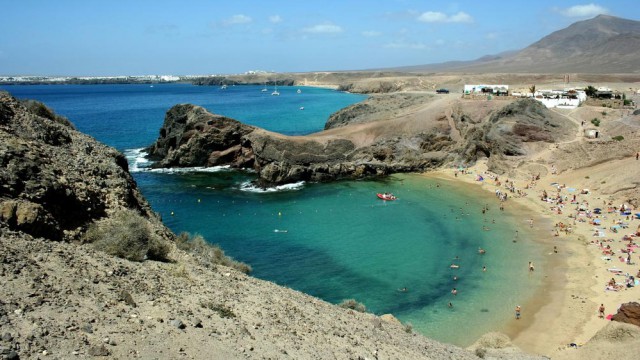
[
  {"x": 386, "y": 196},
  {"x": 301, "y": 107},
  {"x": 299, "y": 91},
  {"x": 223, "y": 87}
]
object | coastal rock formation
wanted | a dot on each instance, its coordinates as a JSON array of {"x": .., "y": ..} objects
[
  {"x": 55, "y": 180},
  {"x": 383, "y": 135},
  {"x": 191, "y": 136},
  {"x": 628, "y": 313}
]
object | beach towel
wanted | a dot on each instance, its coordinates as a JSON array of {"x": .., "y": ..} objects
[{"x": 609, "y": 316}]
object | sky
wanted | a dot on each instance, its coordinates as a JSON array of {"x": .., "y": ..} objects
[{"x": 145, "y": 37}]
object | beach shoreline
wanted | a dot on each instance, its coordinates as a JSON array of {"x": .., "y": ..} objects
[{"x": 566, "y": 311}]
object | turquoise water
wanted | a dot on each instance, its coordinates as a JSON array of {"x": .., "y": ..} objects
[{"x": 334, "y": 241}]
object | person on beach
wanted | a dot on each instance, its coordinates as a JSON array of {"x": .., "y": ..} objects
[
  {"x": 531, "y": 266},
  {"x": 637, "y": 155},
  {"x": 518, "y": 312},
  {"x": 601, "y": 311}
]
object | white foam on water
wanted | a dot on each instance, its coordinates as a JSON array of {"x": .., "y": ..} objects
[
  {"x": 137, "y": 159},
  {"x": 138, "y": 162},
  {"x": 195, "y": 169},
  {"x": 250, "y": 187}
]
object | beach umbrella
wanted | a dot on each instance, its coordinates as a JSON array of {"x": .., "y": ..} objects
[{"x": 596, "y": 221}]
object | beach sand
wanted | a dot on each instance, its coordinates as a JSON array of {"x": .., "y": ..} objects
[{"x": 566, "y": 310}]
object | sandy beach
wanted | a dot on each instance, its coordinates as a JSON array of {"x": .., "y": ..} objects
[{"x": 566, "y": 311}]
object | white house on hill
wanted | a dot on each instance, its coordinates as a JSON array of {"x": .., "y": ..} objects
[{"x": 500, "y": 90}]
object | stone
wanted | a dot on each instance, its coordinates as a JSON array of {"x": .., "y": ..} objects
[
  {"x": 179, "y": 324},
  {"x": 127, "y": 298},
  {"x": 7, "y": 337},
  {"x": 12, "y": 355},
  {"x": 197, "y": 323},
  {"x": 628, "y": 313}
]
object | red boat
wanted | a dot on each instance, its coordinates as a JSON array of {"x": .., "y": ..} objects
[{"x": 386, "y": 196}]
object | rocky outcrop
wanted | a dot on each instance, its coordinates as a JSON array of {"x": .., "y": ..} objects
[
  {"x": 54, "y": 180},
  {"x": 628, "y": 313},
  {"x": 505, "y": 132},
  {"x": 191, "y": 136}
]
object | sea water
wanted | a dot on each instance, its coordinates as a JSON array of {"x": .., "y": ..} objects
[{"x": 335, "y": 241}]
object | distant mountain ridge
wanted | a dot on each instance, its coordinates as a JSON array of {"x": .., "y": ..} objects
[{"x": 604, "y": 44}]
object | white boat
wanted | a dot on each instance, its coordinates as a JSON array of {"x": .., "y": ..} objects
[
  {"x": 264, "y": 89},
  {"x": 299, "y": 91},
  {"x": 223, "y": 87},
  {"x": 275, "y": 91}
]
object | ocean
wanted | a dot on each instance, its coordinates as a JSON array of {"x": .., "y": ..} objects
[{"x": 335, "y": 241}]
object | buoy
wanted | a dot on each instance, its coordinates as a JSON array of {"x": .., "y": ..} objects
[
  {"x": 172, "y": 213},
  {"x": 279, "y": 213},
  {"x": 198, "y": 200}
]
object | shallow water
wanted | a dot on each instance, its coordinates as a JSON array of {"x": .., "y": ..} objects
[{"x": 335, "y": 241}]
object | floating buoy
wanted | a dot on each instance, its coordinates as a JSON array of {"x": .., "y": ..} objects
[
  {"x": 198, "y": 200},
  {"x": 172, "y": 213},
  {"x": 279, "y": 213}
]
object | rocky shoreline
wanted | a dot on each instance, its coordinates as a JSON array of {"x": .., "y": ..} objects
[{"x": 191, "y": 136}]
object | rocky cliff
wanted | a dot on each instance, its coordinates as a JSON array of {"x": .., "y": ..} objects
[
  {"x": 383, "y": 135},
  {"x": 55, "y": 180}
]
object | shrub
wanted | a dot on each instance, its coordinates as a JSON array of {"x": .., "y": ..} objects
[
  {"x": 408, "y": 328},
  {"x": 127, "y": 234},
  {"x": 604, "y": 113},
  {"x": 595, "y": 121},
  {"x": 210, "y": 255},
  {"x": 481, "y": 352},
  {"x": 618, "y": 138},
  {"x": 353, "y": 305}
]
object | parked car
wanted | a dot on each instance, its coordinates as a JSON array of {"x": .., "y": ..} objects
[{"x": 442, "y": 91}]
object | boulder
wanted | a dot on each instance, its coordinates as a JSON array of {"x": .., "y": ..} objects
[{"x": 628, "y": 313}]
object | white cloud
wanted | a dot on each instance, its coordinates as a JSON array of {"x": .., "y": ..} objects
[
  {"x": 323, "y": 29},
  {"x": 275, "y": 19},
  {"x": 587, "y": 10},
  {"x": 404, "y": 45},
  {"x": 440, "y": 42},
  {"x": 371, "y": 33},
  {"x": 439, "y": 17},
  {"x": 237, "y": 19}
]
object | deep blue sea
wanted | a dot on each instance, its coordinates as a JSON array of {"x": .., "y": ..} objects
[{"x": 335, "y": 241}]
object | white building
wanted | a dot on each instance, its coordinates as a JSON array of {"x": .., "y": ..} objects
[
  {"x": 486, "y": 90},
  {"x": 562, "y": 99}
]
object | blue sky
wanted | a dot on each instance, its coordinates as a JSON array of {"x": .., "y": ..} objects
[{"x": 116, "y": 37}]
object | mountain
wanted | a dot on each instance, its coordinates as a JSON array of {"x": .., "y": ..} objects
[{"x": 604, "y": 44}]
